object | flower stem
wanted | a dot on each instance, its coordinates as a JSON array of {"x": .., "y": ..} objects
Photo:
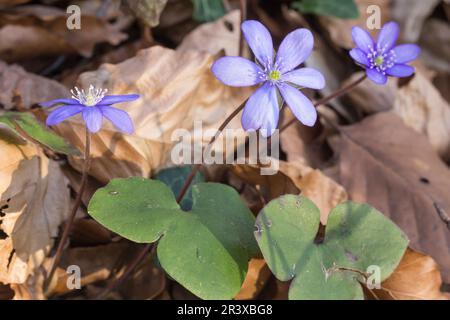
[
  {"x": 141, "y": 254},
  {"x": 320, "y": 235},
  {"x": 196, "y": 167},
  {"x": 326, "y": 99},
  {"x": 73, "y": 213}
]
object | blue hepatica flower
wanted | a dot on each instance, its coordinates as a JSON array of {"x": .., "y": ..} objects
[
  {"x": 381, "y": 59},
  {"x": 276, "y": 76},
  {"x": 93, "y": 105}
]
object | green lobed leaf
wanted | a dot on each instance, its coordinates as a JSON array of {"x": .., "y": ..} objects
[
  {"x": 175, "y": 178},
  {"x": 26, "y": 122},
  {"x": 208, "y": 10},
  {"x": 357, "y": 236},
  {"x": 344, "y": 9},
  {"x": 206, "y": 249}
]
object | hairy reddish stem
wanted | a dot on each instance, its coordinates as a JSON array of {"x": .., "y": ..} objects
[{"x": 326, "y": 99}]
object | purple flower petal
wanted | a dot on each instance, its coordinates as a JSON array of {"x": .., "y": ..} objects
[
  {"x": 294, "y": 49},
  {"x": 261, "y": 110},
  {"x": 359, "y": 56},
  {"x": 400, "y": 71},
  {"x": 62, "y": 113},
  {"x": 376, "y": 76},
  {"x": 305, "y": 77},
  {"x": 93, "y": 118},
  {"x": 59, "y": 101},
  {"x": 259, "y": 40},
  {"x": 406, "y": 53},
  {"x": 236, "y": 72},
  {"x": 118, "y": 117},
  {"x": 112, "y": 99},
  {"x": 388, "y": 36},
  {"x": 300, "y": 105},
  {"x": 362, "y": 39}
]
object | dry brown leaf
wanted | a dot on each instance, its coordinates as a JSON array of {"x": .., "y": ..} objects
[
  {"x": 369, "y": 97},
  {"x": 88, "y": 232},
  {"x": 422, "y": 108},
  {"x": 147, "y": 282},
  {"x": 176, "y": 21},
  {"x": 96, "y": 264},
  {"x": 411, "y": 14},
  {"x": 296, "y": 178},
  {"x": 257, "y": 276},
  {"x": 396, "y": 170},
  {"x": 306, "y": 144},
  {"x": 435, "y": 45},
  {"x": 7, "y": 3},
  {"x": 417, "y": 277},
  {"x": 35, "y": 198},
  {"x": 340, "y": 29},
  {"x": 33, "y": 31},
  {"x": 212, "y": 37},
  {"x": 33, "y": 89}
]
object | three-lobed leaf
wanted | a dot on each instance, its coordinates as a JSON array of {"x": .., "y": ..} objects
[
  {"x": 206, "y": 249},
  {"x": 357, "y": 237},
  {"x": 25, "y": 125}
]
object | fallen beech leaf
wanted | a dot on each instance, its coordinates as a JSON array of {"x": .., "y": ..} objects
[
  {"x": 422, "y": 107},
  {"x": 395, "y": 169},
  {"x": 435, "y": 45},
  {"x": 296, "y": 178},
  {"x": 381, "y": 97},
  {"x": 222, "y": 34},
  {"x": 257, "y": 275},
  {"x": 147, "y": 282},
  {"x": 176, "y": 87},
  {"x": 31, "y": 88},
  {"x": 96, "y": 263},
  {"x": 34, "y": 198},
  {"x": 8, "y": 3},
  {"x": 26, "y": 32},
  {"x": 305, "y": 144},
  {"x": 417, "y": 277},
  {"x": 88, "y": 232}
]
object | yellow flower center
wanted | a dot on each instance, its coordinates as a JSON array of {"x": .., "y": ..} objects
[
  {"x": 90, "y": 100},
  {"x": 90, "y": 97},
  {"x": 274, "y": 75},
  {"x": 379, "y": 61}
]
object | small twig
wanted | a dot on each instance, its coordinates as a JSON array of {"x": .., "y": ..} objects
[{"x": 73, "y": 213}]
